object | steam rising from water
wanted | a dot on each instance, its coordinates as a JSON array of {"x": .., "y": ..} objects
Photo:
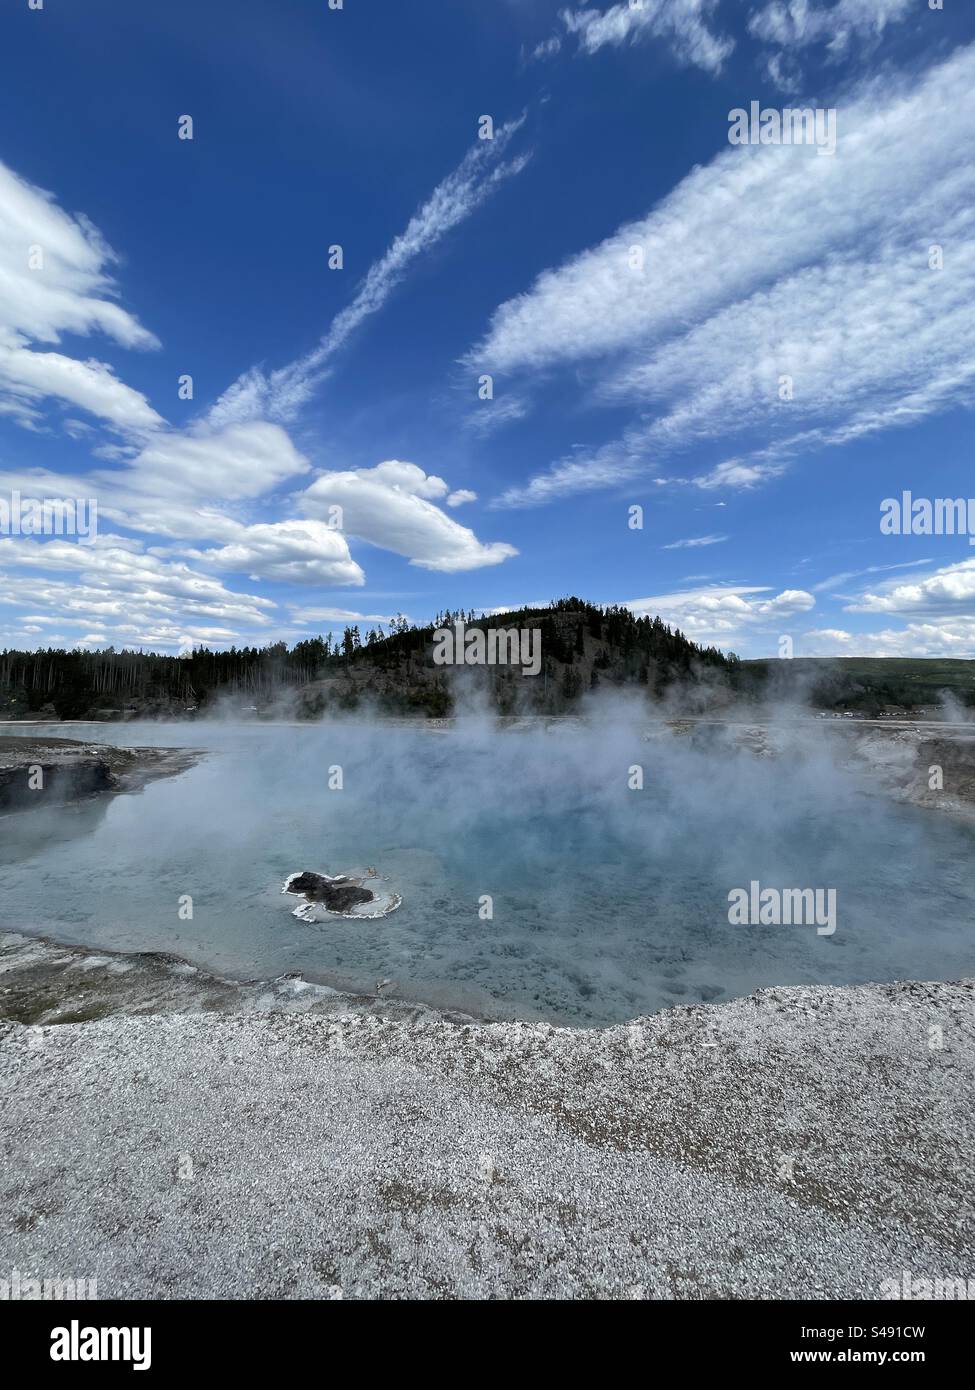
[{"x": 607, "y": 902}]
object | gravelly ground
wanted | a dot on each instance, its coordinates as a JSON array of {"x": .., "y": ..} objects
[{"x": 799, "y": 1143}]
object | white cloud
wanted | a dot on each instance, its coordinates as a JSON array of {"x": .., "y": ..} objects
[
  {"x": 54, "y": 280},
  {"x": 126, "y": 572},
  {"x": 693, "y": 541},
  {"x": 799, "y": 23},
  {"x": 183, "y": 484},
  {"x": 939, "y": 609},
  {"x": 136, "y": 598},
  {"x": 547, "y": 48},
  {"x": 783, "y": 264},
  {"x": 944, "y": 592},
  {"x": 783, "y": 73},
  {"x": 310, "y": 616},
  {"x": 835, "y": 580},
  {"x": 794, "y": 25},
  {"x": 180, "y": 486},
  {"x": 203, "y": 483},
  {"x": 952, "y": 638},
  {"x": 680, "y": 23},
  {"x": 739, "y": 473},
  {"x": 723, "y": 614},
  {"x": 27, "y": 378},
  {"x": 72, "y": 292},
  {"x": 295, "y": 552},
  {"x": 279, "y": 395},
  {"x": 233, "y": 464},
  {"x": 390, "y": 506},
  {"x": 492, "y": 415}
]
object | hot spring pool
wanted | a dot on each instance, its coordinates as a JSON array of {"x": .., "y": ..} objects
[{"x": 607, "y": 902}]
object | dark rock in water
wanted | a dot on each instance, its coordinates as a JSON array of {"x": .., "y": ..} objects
[{"x": 338, "y": 896}]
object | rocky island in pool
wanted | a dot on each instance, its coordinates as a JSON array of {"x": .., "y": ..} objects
[{"x": 340, "y": 895}]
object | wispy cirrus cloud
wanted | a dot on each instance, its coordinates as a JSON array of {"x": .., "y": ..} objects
[
  {"x": 693, "y": 542},
  {"x": 792, "y": 26},
  {"x": 750, "y": 314},
  {"x": 280, "y": 394},
  {"x": 683, "y": 25},
  {"x": 799, "y": 23},
  {"x": 835, "y": 580},
  {"x": 493, "y": 415}
]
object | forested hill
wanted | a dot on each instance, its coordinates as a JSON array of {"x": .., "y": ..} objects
[{"x": 582, "y": 647}]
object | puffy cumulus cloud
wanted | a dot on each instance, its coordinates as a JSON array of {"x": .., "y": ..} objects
[
  {"x": 944, "y": 592},
  {"x": 938, "y": 610},
  {"x": 180, "y": 488},
  {"x": 681, "y": 24},
  {"x": 407, "y": 477},
  {"x": 742, "y": 289},
  {"x": 392, "y": 506},
  {"x": 723, "y": 614},
  {"x": 294, "y": 552},
  {"x": 54, "y": 274},
  {"x": 954, "y": 637}
]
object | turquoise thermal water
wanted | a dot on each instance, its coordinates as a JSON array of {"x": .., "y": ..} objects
[{"x": 608, "y": 902}]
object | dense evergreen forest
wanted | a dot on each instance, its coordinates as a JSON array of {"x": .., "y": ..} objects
[{"x": 582, "y": 644}]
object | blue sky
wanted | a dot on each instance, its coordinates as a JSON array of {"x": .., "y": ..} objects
[{"x": 616, "y": 384}]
